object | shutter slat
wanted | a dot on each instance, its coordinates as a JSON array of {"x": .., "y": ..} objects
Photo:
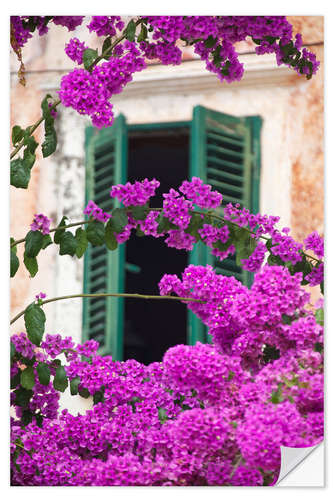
[
  {"x": 231, "y": 135},
  {"x": 225, "y": 151},
  {"x": 223, "y": 138},
  {"x": 94, "y": 307},
  {"x": 103, "y": 181},
  {"x": 230, "y": 199},
  {"x": 225, "y": 163},
  {"x": 98, "y": 261},
  {"x": 222, "y": 174},
  {"x": 104, "y": 160},
  {"x": 96, "y": 317},
  {"x": 221, "y": 186}
]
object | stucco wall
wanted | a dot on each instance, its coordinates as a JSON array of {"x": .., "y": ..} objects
[{"x": 292, "y": 149}]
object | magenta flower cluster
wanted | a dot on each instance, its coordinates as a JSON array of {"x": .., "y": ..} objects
[
  {"x": 96, "y": 212},
  {"x": 176, "y": 208},
  {"x": 138, "y": 193},
  {"x": 89, "y": 92},
  {"x": 201, "y": 194},
  {"x": 21, "y": 30},
  {"x": 243, "y": 321},
  {"x": 74, "y": 49},
  {"x": 206, "y": 415},
  {"x": 41, "y": 223},
  {"x": 316, "y": 243},
  {"x": 214, "y": 37},
  {"x": 209, "y": 414},
  {"x": 105, "y": 25}
]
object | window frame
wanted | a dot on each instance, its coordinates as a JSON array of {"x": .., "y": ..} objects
[{"x": 195, "y": 332}]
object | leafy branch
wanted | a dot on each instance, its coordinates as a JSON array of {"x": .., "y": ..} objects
[
  {"x": 105, "y": 54},
  {"x": 146, "y": 210}
]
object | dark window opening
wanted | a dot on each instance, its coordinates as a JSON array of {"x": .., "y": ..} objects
[{"x": 152, "y": 326}]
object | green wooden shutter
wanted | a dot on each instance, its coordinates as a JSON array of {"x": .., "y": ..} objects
[
  {"x": 225, "y": 153},
  {"x": 106, "y": 165}
]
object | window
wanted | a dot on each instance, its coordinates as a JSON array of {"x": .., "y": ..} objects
[{"x": 222, "y": 150}]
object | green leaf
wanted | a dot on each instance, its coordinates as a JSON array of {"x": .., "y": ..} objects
[
  {"x": 14, "y": 263},
  {"x": 130, "y": 31},
  {"x": 319, "y": 347},
  {"x": 322, "y": 287},
  {"x": 28, "y": 378},
  {"x": 276, "y": 397},
  {"x": 244, "y": 245},
  {"x": 47, "y": 240},
  {"x": 110, "y": 238},
  {"x": 84, "y": 393},
  {"x": 34, "y": 319},
  {"x": 119, "y": 219},
  {"x": 162, "y": 415},
  {"x": 275, "y": 260},
  {"x": 319, "y": 314},
  {"x": 31, "y": 264},
  {"x": 81, "y": 242},
  {"x": 45, "y": 107},
  {"x": 143, "y": 34},
  {"x": 44, "y": 373},
  {"x": 29, "y": 158},
  {"x": 12, "y": 350},
  {"x": 60, "y": 381},
  {"x": 210, "y": 42},
  {"x": 26, "y": 361},
  {"x": 269, "y": 244},
  {"x": 139, "y": 212},
  {"x": 26, "y": 417},
  {"x": 106, "y": 45},
  {"x": 58, "y": 234},
  {"x": 39, "y": 419},
  {"x": 19, "y": 173},
  {"x": 14, "y": 248},
  {"x": 164, "y": 224},
  {"x": 33, "y": 243},
  {"x": 15, "y": 380},
  {"x": 17, "y": 134},
  {"x": 98, "y": 397},
  {"x": 50, "y": 141},
  {"x": 286, "y": 320},
  {"x": 68, "y": 244},
  {"x": 196, "y": 223},
  {"x": 270, "y": 352},
  {"x": 270, "y": 39},
  {"x": 30, "y": 142},
  {"x": 74, "y": 386},
  {"x": 22, "y": 396},
  {"x": 222, "y": 246},
  {"x": 96, "y": 233},
  {"x": 89, "y": 56}
]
